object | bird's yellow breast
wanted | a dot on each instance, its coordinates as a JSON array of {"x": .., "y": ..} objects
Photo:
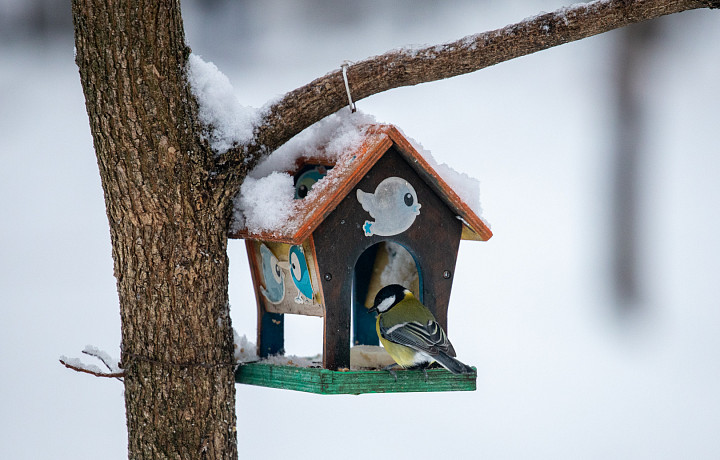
[{"x": 404, "y": 356}]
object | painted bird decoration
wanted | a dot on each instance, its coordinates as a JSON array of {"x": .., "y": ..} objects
[
  {"x": 394, "y": 206},
  {"x": 300, "y": 274},
  {"x": 306, "y": 180},
  {"x": 274, "y": 289},
  {"x": 410, "y": 334}
]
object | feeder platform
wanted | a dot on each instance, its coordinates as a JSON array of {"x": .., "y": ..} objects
[{"x": 328, "y": 382}]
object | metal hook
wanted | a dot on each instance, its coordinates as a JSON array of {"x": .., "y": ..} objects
[{"x": 344, "y": 68}]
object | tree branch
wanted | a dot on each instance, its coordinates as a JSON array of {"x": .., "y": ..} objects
[
  {"x": 326, "y": 95},
  {"x": 85, "y": 370},
  {"x": 102, "y": 357},
  {"x": 114, "y": 371}
]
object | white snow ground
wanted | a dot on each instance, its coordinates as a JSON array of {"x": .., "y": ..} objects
[{"x": 561, "y": 375}]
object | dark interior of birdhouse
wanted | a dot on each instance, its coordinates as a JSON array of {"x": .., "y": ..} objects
[{"x": 378, "y": 266}]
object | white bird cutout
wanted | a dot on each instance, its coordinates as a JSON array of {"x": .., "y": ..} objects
[{"x": 394, "y": 206}]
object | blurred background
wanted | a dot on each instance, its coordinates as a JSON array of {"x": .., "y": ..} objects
[{"x": 592, "y": 315}]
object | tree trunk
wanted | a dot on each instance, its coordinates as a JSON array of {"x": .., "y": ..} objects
[{"x": 168, "y": 225}]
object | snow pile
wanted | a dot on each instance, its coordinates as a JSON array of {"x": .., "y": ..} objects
[
  {"x": 265, "y": 204},
  {"x": 266, "y": 199},
  {"x": 227, "y": 121},
  {"x": 245, "y": 350},
  {"x": 466, "y": 187},
  {"x": 291, "y": 360},
  {"x": 326, "y": 139}
]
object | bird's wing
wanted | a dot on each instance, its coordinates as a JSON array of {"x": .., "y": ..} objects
[
  {"x": 367, "y": 201},
  {"x": 429, "y": 337}
]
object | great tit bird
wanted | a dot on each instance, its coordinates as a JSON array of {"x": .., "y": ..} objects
[{"x": 409, "y": 332}]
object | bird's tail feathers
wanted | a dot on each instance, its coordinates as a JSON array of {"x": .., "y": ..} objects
[{"x": 452, "y": 364}]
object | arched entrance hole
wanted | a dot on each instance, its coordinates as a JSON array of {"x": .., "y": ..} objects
[{"x": 379, "y": 265}]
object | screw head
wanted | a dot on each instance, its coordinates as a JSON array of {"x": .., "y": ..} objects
[
  {"x": 447, "y": 274},
  {"x": 328, "y": 276}
]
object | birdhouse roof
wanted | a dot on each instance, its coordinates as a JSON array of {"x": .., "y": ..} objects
[{"x": 348, "y": 170}]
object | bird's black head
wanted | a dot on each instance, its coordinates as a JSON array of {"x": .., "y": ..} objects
[{"x": 388, "y": 297}]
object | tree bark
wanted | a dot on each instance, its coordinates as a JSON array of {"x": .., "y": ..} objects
[
  {"x": 168, "y": 196},
  {"x": 168, "y": 226}
]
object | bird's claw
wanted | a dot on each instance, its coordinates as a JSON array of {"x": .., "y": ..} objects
[{"x": 391, "y": 371}]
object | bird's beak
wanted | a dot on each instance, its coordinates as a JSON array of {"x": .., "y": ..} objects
[
  {"x": 372, "y": 310},
  {"x": 284, "y": 265}
]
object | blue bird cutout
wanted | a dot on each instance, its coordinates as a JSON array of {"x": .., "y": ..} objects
[{"x": 300, "y": 274}]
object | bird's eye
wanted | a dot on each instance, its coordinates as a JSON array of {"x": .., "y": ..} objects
[
  {"x": 295, "y": 267},
  {"x": 302, "y": 191},
  {"x": 408, "y": 199},
  {"x": 277, "y": 272}
]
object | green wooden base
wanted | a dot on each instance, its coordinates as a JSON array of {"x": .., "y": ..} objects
[{"x": 324, "y": 381}]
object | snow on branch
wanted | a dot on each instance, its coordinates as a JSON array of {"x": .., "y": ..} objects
[
  {"x": 300, "y": 108},
  {"x": 227, "y": 121},
  {"x": 76, "y": 364}
]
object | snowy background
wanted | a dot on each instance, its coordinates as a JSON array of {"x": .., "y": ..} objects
[{"x": 566, "y": 370}]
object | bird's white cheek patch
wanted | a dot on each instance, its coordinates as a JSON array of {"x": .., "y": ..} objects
[
  {"x": 386, "y": 304},
  {"x": 394, "y": 206}
]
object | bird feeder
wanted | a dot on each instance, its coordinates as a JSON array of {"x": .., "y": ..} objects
[{"x": 380, "y": 205}]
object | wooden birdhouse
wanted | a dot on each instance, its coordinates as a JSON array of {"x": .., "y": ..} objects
[{"x": 378, "y": 214}]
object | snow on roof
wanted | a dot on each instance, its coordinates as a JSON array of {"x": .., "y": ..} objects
[{"x": 265, "y": 208}]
